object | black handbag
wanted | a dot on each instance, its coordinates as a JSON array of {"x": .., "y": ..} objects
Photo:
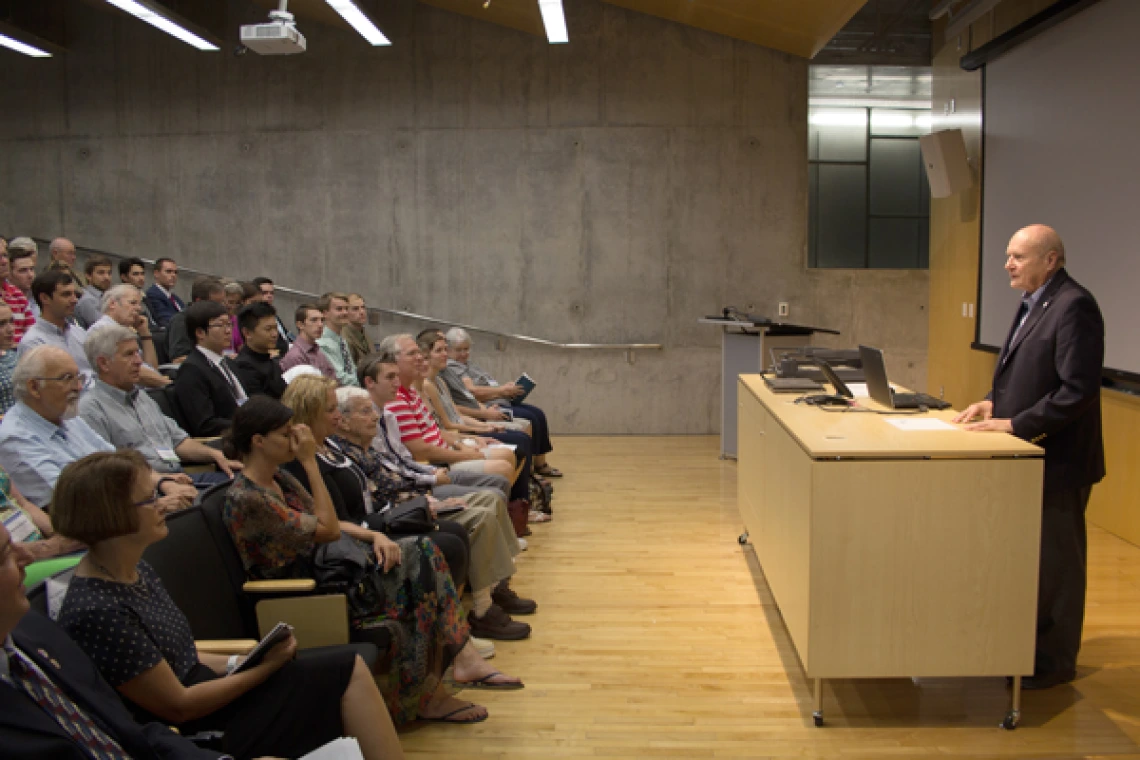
[
  {"x": 347, "y": 566},
  {"x": 408, "y": 518}
]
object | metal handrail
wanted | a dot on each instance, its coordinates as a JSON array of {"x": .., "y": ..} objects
[{"x": 407, "y": 314}]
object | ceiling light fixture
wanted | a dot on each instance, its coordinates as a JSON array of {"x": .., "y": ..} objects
[
  {"x": 22, "y": 47},
  {"x": 554, "y": 21},
  {"x": 160, "y": 18},
  {"x": 361, "y": 23}
]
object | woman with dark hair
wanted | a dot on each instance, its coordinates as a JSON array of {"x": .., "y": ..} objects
[
  {"x": 118, "y": 611},
  {"x": 277, "y": 526}
]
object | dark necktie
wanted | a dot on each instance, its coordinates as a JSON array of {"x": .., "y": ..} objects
[
  {"x": 1018, "y": 321},
  {"x": 55, "y": 702}
]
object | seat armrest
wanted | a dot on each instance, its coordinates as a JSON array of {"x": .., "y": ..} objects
[
  {"x": 226, "y": 646},
  {"x": 285, "y": 586}
]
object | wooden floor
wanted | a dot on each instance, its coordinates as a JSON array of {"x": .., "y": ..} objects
[{"x": 656, "y": 637}]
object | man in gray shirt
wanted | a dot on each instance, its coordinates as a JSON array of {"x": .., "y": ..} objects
[
  {"x": 98, "y": 271},
  {"x": 54, "y": 291},
  {"x": 128, "y": 418}
]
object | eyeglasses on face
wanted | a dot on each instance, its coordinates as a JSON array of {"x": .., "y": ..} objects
[
  {"x": 67, "y": 378},
  {"x": 221, "y": 324}
]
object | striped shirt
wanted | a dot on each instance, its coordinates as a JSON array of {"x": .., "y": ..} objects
[
  {"x": 414, "y": 418},
  {"x": 22, "y": 316}
]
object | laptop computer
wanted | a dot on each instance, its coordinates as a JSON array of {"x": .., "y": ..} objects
[
  {"x": 879, "y": 388},
  {"x": 840, "y": 387},
  {"x": 791, "y": 384}
]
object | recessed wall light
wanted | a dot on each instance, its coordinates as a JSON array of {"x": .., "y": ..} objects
[
  {"x": 361, "y": 23},
  {"x": 161, "y": 18}
]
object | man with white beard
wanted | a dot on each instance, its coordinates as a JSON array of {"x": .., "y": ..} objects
[{"x": 42, "y": 434}]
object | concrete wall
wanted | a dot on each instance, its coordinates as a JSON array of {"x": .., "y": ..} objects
[{"x": 610, "y": 190}]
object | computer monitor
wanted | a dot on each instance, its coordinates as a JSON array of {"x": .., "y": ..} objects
[
  {"x": 875, "y": 373},
  {"x": 840, "y": 387}
]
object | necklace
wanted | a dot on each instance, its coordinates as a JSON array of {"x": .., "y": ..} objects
[{"x": 137, "y": 583}]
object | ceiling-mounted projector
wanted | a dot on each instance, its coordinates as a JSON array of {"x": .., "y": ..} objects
[{"x": 278, "y": 37}]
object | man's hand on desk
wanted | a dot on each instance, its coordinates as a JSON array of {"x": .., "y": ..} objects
[
  {"x": 982, "y": 409},
  {"x": 992, "y": 425}
]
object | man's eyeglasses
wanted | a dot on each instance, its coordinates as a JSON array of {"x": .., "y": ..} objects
[
  {"x": 67, "y": 378},
  {"x": 226, "y": 324}
]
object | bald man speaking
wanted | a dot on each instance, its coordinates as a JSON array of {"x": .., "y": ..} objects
[{"x": 1046, "y": 390}]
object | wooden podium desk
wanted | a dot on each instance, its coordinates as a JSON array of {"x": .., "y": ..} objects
[{"x": 892, "y": 553}]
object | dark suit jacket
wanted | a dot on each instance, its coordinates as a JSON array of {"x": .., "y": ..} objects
[
  {"x": 204, "y": 398},
  {"x": 161, "y": 307},
  {"x": 1048, "y": 383},
  {"x": 26, "y": 731}
]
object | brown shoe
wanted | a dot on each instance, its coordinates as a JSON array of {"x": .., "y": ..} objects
[
  {"x": 512, "y": 604},
  {"x": 497, "y": 625}
]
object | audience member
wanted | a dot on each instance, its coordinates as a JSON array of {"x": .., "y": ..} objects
[
  {"x": 122, "y": 305},
  {"x": 206, "y": 390},
  {"x": 277, "y": 526},
  {"x": 380, "y": 376},
  {"x": 355, "y": 332},
  {"x": 14, "y": 300},
  {"x": 129, "y": 419},
  {"x": 132, "y": 271},
  {"x": 235, "y": 299},
  {"x": 18, "y": 286},
  {"x": 54, "y": 292},
  {"x": 284, "y": 337},
  {"x": 42, "y": 433},
  {"x": 334, "y": 306},
  {"x": 484, "y": 516},
  {"x": 313, "y": 401},
  {"x": 61, "y": 254},
  {"x": 462, "y": 375},
  {"x": 305, "y": 349},
  {"x": 255, "y": 366},
  {"x": 41, "y": 664},
  {"x": 179, "y": 338},
  {"x": 117, "y": 610},
  {"x": 98, "y": 271},
  {"x": 162, "y": 302},
  {"x": 29, "y": 525},
  {"x": 7, "y": 358},
  {"x": 433, "y": 346},
  {"x": 418, "y": 429}
]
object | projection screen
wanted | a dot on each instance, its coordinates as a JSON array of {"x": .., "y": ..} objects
[{"x": 1061, "y": 137}]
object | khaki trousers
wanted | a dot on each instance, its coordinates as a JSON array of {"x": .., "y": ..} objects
[{"x": 493, "y": 542}]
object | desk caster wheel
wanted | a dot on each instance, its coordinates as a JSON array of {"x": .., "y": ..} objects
[
  {"x": 742, "y": 538},
  {"x": 1012, "y": 719},
  {"x": 818, "y": 718}
]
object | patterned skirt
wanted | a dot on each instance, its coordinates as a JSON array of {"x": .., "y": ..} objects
[{"x": 422, "y": 612}]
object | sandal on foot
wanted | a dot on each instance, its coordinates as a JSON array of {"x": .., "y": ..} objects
[
  {"x": 486, "y": 683},
  {"x": 547, "y": 471},
  {"x": 536, "y": 516},
  {"x": 447, "y": 717}
]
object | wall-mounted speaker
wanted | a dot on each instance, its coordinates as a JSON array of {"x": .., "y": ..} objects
[{"x": 947, "y": 168}]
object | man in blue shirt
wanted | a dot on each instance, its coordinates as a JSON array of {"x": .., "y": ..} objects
[{"x": 41, "y": 434}]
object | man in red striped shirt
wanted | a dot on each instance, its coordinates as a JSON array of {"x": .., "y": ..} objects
[
  {"x": 421, "y": 434},
  {"x": 17, "y": 269}
]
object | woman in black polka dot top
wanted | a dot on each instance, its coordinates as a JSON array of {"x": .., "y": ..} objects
[{"x": 117, "y": 610}]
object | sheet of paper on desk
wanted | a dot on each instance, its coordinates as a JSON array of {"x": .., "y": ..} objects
[
  {"x": 922, "y": 423},
  {"x": 858, "y": 390}
]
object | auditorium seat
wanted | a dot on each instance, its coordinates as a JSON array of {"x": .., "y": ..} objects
[{"x": 316, "y": 618}]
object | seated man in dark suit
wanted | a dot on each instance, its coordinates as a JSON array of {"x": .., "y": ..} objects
[
  {"x": 161, "y": 299},
  {"x": 258, "y": 371},
  {"x": 53, "y": 702},
  {"x": 206, "y": 390},
  {"x": 179, "y": 339}
]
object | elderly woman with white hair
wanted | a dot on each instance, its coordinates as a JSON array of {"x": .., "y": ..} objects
[
  {"x": 483, "y": 514},
  {"x": 483, "y": 398}
]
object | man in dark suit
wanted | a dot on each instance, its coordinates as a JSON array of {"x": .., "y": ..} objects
[
  {"x": 206, "y": 389},
  {"x": 53, "y": 702},
  {"x": 1046, "y": 390},
  {"x": 257, "y": 369},
  {"x": 285, "y": 338},
  {"x": 161, "y": 299}
]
